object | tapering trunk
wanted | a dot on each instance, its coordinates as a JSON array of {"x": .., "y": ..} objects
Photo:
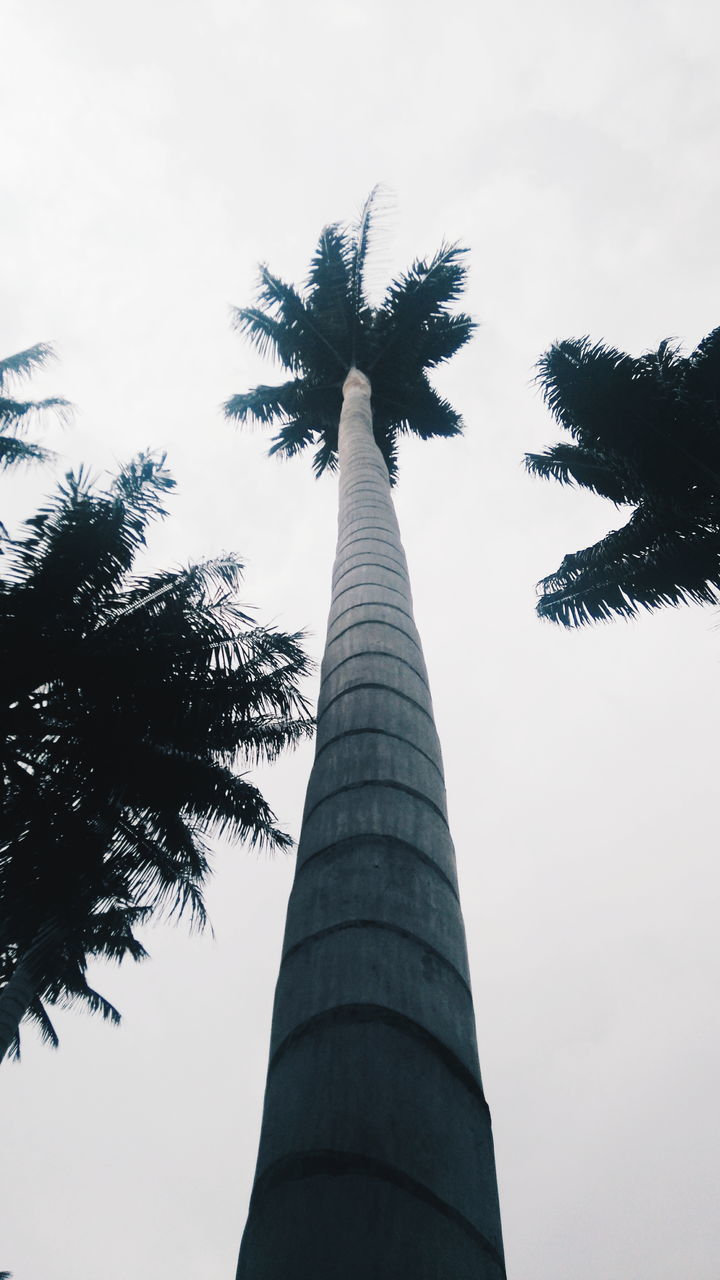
[{"x": 376, "y": 1157}]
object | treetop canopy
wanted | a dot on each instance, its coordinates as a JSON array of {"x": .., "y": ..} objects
[{"x": 320, "y": 332}]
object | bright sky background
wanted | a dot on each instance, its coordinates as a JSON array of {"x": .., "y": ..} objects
[{"x": 152, "y": 153}]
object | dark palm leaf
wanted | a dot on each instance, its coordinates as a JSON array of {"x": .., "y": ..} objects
[
  {"x": 647, "y": 434},
  {"x": 417, "y": 299},
  {"x": 23, "y": 363},
  {"x": 14, "y": 450},
  {"x": 334, "y": 279},
  {"x": 318, "y": 335},
  {"x": 131, "y": 704},
  {"x": 571, "y": 464},
  {"x": 17, "y": 416},
  {"x": 359, "y": 253}
]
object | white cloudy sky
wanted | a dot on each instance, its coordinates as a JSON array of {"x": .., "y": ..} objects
[{"x": 152, "y": 153}]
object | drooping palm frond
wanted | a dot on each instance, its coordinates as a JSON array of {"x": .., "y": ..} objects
[
  {"x": 23, "y": 363},
  {"x": 427, "y": 413},
  {"x": 17, "y": 416},
  {"x": 666, "y": 570},
  {"x": 647, "y": 434},
  {"x": 13, "y": 450},
  {"x": 571, "y": 464},
  {"x": 320, "y": 333},
  {"x": 132, "y": 707},
  {"x": 38, "y": 1015}
]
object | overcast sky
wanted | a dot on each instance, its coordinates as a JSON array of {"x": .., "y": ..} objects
[{"x": 152, "y": 153}]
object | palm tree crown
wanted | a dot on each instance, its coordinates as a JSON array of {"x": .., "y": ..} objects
[
  {"x": 321, "y": 332},
  {"x": 646, "y": 435},
  {"x": 129, "y": 702},
  {"x": 17, "y": 415}
]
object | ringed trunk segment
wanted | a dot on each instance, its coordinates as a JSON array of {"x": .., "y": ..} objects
[{"x": 376, "y": 1155}]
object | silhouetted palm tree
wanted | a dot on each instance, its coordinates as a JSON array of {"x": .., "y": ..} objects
[
  {"x": 128, "y": 703},
  {"x": 17, "y": 415},
  {"x": 376, "y": 1153},
  {"x": 647, "y": 436}
]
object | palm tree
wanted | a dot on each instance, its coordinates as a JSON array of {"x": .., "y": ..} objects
[
  {"x": 17, "y": 415},
  {"x": 646, "y": 435},
  {"x": 128, "y": 703},
  {"x": 376, "y": 1155}
]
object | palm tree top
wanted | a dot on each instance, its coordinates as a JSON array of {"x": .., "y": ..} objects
[
  {"x": 133, "y": 706},
  {"x": 320, "y": 332},
  {"x": 645, "y": 434}
]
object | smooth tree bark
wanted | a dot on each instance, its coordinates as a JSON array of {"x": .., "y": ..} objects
[{"x": 376, "y": 1154}]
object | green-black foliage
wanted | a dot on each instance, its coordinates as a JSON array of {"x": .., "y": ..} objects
[
  {"x": 320, "y": 332},
  {"x": 16, "y": 416},
  {"x": 129, "y": 703},
  {"x": 646, "y": 434}
]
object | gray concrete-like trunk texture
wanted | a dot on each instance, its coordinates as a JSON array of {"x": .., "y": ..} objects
[{"x": 376, "y": 1155}]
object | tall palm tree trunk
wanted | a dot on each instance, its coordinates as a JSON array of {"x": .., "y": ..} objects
[{"x": 376, "y": 1155}]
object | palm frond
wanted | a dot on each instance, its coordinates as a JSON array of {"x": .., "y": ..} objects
[
  {"x": 655, "y": 559},
  {"x": 427, "y": 289},
  {"x": 293, "y": 437},
  {"x": 320, "y": 335},
  {"x": 702, "y": 376},
  {"x": 622, "y": 544},
  {"x": 131, "y": 705},
  {"x": 312, "y": 345},
  {"x": 329, "y": 287},
  {"x": 443, "y": 336},
  {"x": 14, "y": 451},
  {"x": 571, "y": 464},
  {"x": 579, "y": 380},
  {"x": 18, "y": 415},
  {"x": 269, "y": 336},
  {"x": 212, "y": 794},
  {"x": 82, "y": 542},
  {"x": 681, "y": 575},
  {"x": 424, "y": 411},
  {"x": 23, "y": 363},
  {"x": 141, "y": 485},
  {"x": 80, "y": 992},
  {"x": 361, "y": 244},
  {"x": 166, "y": 862},
  {"x": 325, "y": 457},
  {"x": 266, "y": 404},
  {"x": 37, "y": 1013},
  {"x": 648, "y": 435}
]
